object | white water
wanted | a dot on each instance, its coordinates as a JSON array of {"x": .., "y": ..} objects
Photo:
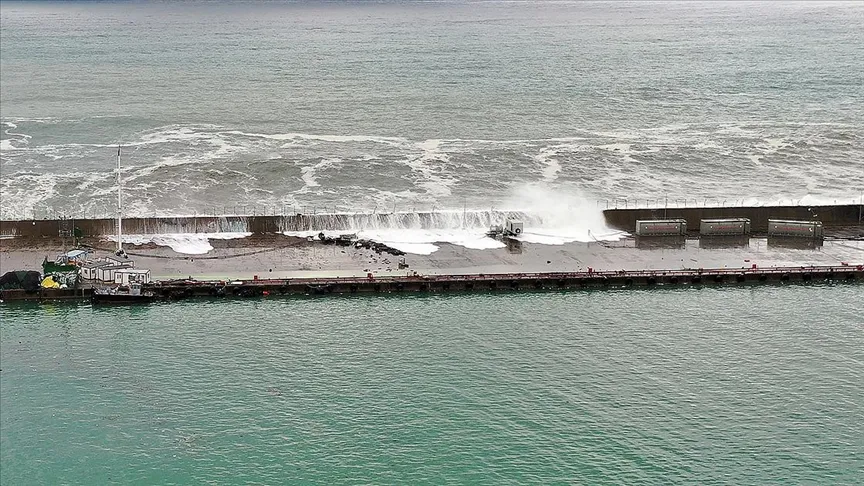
[
  {"x": 209, "y": 170},
  {"x": 417, "y": 241},
  {"x": 550, "y": 218},
  {"x": 186, "y": 243}
]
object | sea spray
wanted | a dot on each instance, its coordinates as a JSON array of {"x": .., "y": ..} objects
[
  {"x": 186, "y": 243},
  {"x": 550, "y": 217}
]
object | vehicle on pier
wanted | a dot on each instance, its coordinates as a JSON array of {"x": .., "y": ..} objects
[{"x": 511, "y": 229}]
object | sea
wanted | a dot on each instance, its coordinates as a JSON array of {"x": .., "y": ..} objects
[
  {"x": 554, "y": 109},
  {"x": 759, "y": 385},
  {"x": 254, "y": 107}
]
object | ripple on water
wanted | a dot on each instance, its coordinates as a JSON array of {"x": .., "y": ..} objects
[{"x": 732, "y": 385}]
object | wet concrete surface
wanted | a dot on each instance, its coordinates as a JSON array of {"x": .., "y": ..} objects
[{"x": 284, "y": 257}]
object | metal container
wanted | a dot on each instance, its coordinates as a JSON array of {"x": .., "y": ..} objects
[
  {"x": 800, "y": 229},
  {"x": 661, "y": 227},
  {"x": 724, "y": 227},
  {"x": 513, "y": 228}
]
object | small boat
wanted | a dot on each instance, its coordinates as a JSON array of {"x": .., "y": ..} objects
[{"x": 124, "y": 294}]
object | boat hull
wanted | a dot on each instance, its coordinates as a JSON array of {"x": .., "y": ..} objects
[{"x": 119, "y": 299}]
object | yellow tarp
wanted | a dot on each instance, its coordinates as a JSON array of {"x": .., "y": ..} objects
[{"x": 49, "y": 283}]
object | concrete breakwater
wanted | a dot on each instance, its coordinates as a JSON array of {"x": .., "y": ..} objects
[
  {"x": 839, "y": 215},
  {"x": 260, "y": 224},
  {"x": 185, "y": 289},
  {"x": 624, "y": 219}
]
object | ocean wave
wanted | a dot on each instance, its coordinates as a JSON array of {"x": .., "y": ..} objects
[
  {"x": 227, "y": 169},
  {"x": 185, "y": 243}
]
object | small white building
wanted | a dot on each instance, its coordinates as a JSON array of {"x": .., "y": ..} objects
[
  {"x": 115, "y": 260},
  {"x": 127, "y": 276},
  {"x": 73, "y": 257},
  {"x": 90, "y": 270},
  {"x": 106, "y": 273}
]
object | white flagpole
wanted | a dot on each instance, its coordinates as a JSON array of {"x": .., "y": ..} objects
[{"x": 119, "y": 207}]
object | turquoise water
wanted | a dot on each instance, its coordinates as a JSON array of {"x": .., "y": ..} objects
[{"x": 698, "y": 386}]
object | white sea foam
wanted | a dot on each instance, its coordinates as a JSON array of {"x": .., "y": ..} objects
[
  {"x": 550, "y": 218},
  {"x": 25, "y": 195},
  {"x": 186, "y": 243},
  {"x": 561, "y": 217},
  {"x": 442, "y": 173},
  {"x": 308, "y": 174},
  {"x": 415, "y": 240},
  {"x": 548, "y": 160},
  {"x": 436, "y": 183},
  {"x": 11, "y": 126},
  {"x": 6, "y": 145},
  {"x": 321, "y": 138}
]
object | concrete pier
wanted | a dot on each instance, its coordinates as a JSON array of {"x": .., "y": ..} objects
[
  {"x": 186, "y": 289},
  {"x": 506, "y": 282}
]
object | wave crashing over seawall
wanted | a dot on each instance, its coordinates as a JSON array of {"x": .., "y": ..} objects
[{"x": 417, "y": 233}]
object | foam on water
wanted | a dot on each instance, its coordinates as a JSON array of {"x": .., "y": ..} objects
[
  {"x": 186, "y": 243},
  {"x": 223, "y": 169},
  {"x": 563, "y": 217},
  {"x": 418, "y": 241},
  {"x": 550, "y": 218}
]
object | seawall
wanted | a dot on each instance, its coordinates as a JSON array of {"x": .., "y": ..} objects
[
  {"x": 840, "y": 215},
  {"x": 255, "y": 224},
  {"x": 624, "y": 219}
]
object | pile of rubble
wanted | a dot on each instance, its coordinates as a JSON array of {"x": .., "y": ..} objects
[{"x": 352, "y": 240}]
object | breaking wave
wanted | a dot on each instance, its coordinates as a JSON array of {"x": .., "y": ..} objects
[
  {"x": 209, "y": 169},
  {"x": 186, "y": 243},
  {"x": 550, "y": 219}
]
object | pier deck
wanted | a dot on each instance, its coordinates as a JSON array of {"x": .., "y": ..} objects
[
  {"x": 509, "y": 281},
  {"x": 184, "y": 289}
]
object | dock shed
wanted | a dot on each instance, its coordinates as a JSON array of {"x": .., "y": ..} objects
[
  {"x": 90, "y": 270},
  {"x": 798, "y": 229},
  {"x": 127, "y": 276},
  {"x": 724, "y": 227},
  {"x": 661, "y": 227},
  {"x": 106, "y": 273}
]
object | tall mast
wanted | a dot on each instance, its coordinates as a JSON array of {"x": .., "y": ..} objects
[{"x": 119, "y": 206}]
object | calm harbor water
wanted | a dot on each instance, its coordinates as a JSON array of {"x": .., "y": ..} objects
[{"x": 699, "y": 386}]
